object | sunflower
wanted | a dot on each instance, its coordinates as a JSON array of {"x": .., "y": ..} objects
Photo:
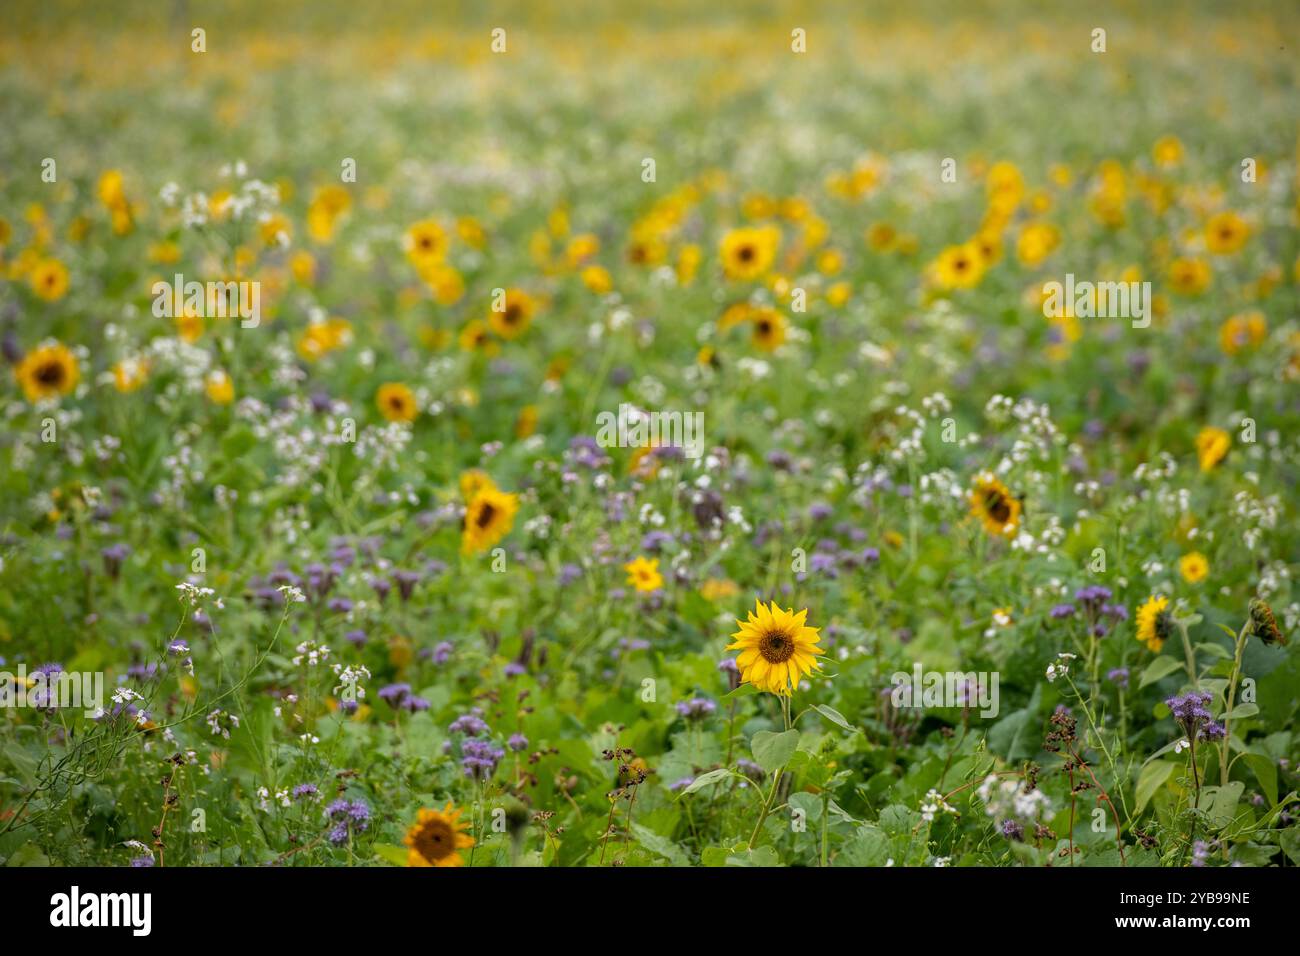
[
  {"x": 474, "y": 337},
  {"x": 1154, "y": 623},
  {"x": 1189, "y": 276},
  {"x": 130, "y": 373},
  {"x": 769, "y": 328},
  {"x": 643, "y": 574},
  {"x": 1245, "y": 330},
  {"x": 992, "y": 502},
  {"x": 220, "y": 388},
  {"x": 1225, "y": 233},
  {"x": 749, "y": 252},
  {"x": 1211, "y": 445},
  {"x": 49, "y": 279},
  {"x": 488, "y": 518},
  {"x": 48, "y": 371},
  {"x": 958, "y": 267},
  {"x": 776, "y": 649},
  {"x": 425, "y": 243},
  {"x": 1168, "y": 151},
  {"x": 396, "y": 402},
  {"x": 1193, "y": 566},
  {"x": 516, "y": 312},
  {"x": 436, "y": 838},
  {"x": 473, "y": 481}
]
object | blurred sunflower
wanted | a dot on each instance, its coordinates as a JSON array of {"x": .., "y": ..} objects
[
  {"x": 643, "y": 574},
  {"x": 488, "y": 518},
  {"x": 49, "y": 279},
  {"x": 1242, "y": 331},
  {"x": 958, "y": 267},
  {"x": 396, "y": 402},
  {"x": 1193, "y": 566},
  {"x": 48, "y": 371},
  {"x": 515, "y": 314},
  {"x": 769, "y": 328},
  {"x": 748, "y": 253},
  {"x": 1226, "y": 233},
  {"x": 992, "y": 502},
  {"x": 436, "y": 838},
  {"x": 1212, "y": 445},
  {"x": 776, "y": 648},
  {"x": 425, "y": 243}
]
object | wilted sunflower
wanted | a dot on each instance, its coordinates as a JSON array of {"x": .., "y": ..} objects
[
  {"x": 436, "y": 838},
  {"x": 515, "y": 314},
  {"x": 48, "y": 371},
  {"x": 776, "y": 648},
  {"x": 992, "y": 502},
  {"x": 396, "y": 402},
  {"x": 1263, "y": 625},
  {"x": 748, "y": 253},
  {"x": 488, "y": 518},
  {"x": 1154, "y": 623},
  {"x": 643, "y": 574}
]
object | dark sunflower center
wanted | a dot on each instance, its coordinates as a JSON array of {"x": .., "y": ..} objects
[
  {"x": 51, "y": 374},
  {"x": 485, "y": 516},
  {"x": 995, "y": 503},
  {"x": 764, "y": 327},
  {"x": 512, "y": 314},
  {"x": 435, "y": 841},
  {"x": 776, "y": 647}
]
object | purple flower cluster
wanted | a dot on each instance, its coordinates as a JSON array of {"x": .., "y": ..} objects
[
  {"x": 479, "y": 758},
  {"x": 1191, "y": 710},
  {"x": 697, "y": 708},
  {"x": 349, "y": 817}
]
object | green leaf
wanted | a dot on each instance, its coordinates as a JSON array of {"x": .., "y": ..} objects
[
  {"x": 1241, "y": 711},
  {"x": 1151, "y": 779},
  {"x": 773, "y": 751},
  {"x": 834, "y": 716},
  {"x": 712, "y": 777},
  {"x": 1265, "y": 771},
  {"x": 1015, "y": 736},
  {"x": 395, "y": 855},
  {"x": 1215, "y": 650},
  {"x": 660, "y": 845},
  {"x": 1223, "y": 802},
  {"x": 1158, "y": 668}
]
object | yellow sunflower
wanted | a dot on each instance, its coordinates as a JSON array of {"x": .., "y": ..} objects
[
  {"x": 1154, "y": 623},
  {"x": 425, "y": 243},
  {"x": 474, "y": 337},
  {"x": 1245, "y": 330},
  {"x": 219, "y": 387},
  {"x": 1212, "y": 445},
  {"x": 488, "y": 518},
  {"x": 49, "y": 279},
  {"x": 994, "y": 504},
  {"x": 436, "y": 838},
  {"x": 130, "y": 374},
  {"x": 958, "y": 267},
  {"x": 396, "y": 402},
  {"x": 473, "y": 481},
  {"x": 1189, "y": 276},
  {"x": 643, "y": 574},
  {"x": 1193, "y": 566},
  {"x": 769, "y": 328},
  {"x": 48, "y": 371},
  {"x": 776, "y": 648},
  {"x": 749, "y": 252},
  {"x": 515, "y": 314},
  {"x": 1225, "y": 233}
]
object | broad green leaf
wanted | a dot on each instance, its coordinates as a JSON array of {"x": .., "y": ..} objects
[
  {"x": 1158, "y": 668},
  {"x": 1151, "y": 779},
  {"x": 773, "y": 751}
]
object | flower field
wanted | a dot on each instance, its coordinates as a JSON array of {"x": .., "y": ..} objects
[{"x": 565, "y": 436}]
